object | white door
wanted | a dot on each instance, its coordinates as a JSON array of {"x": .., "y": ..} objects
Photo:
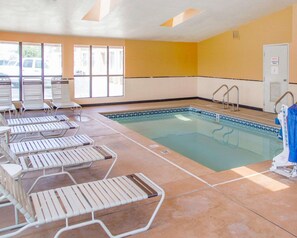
[{"x": 276, "y": 74}]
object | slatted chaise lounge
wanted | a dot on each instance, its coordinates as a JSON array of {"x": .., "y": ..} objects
[
  {"x": 75, "y": 158},
  {"x": 61, "y": 96},
  {"x": 46, "y": 130},
  {"x": 36, "y": 120},
  {"x": 33, "y": 96},
  {"x": 46, "y": 145},
  {"x": 67, "y": 202},
  {"x": 6, "y": 104},
  {"x": 31, "y": 120}
]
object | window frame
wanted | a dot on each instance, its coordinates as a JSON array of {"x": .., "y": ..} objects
[
  {"x": 107, "y": 75},
  {"x": 42, "y": 76}
]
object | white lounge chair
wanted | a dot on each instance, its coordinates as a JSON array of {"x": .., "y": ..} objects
[
  {"x": 46, "y": 145},
  {"x": 61, "y": 96},
  {"x": 67, "y": 202},
  {"x": 75, "y": 158},
  {"x": 33, "y": 96},
  {"x": 46, "y": 130},
  {"x": 31, "y": 120},
  {"x": 6, "y": 104}
]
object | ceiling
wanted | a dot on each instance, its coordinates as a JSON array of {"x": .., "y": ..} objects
[{"x": 134, "y": 19}]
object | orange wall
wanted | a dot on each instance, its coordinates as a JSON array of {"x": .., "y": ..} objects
[
  {"x": 224, "y": 57},
  {"x": 142, "y": 58},
  {"x": 293, "y": 52},
  {"x": 156, "y": 58}
]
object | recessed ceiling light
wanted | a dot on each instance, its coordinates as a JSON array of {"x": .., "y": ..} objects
[{"x": 182, "y": 17}]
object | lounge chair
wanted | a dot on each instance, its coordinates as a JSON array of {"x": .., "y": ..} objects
[
  {"x": 33, "y": 96},
  {"x": 61, "y": 96},
  {"x": 72, "y": 159},
  {"x": 31, "y": 120},
  {"x": 6, "y": 104},
  {"x": 72, "y": 201},
  {"x": 46, "y": 145},
  {"x": 46, "y": 130}
]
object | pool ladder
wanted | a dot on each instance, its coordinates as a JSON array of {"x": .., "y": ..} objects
[
  {"x": 225, "y": 100},
  {"x": 219, "y": 89},
  {"x": 281, "y": 97}
]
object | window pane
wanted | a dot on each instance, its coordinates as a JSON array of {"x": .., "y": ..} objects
[
  {"x": 99, "y": 86},
  {"x": 99, "y": 60},
  {"x": 116, "y": 86},
  {"x": 53, "y": 59},
  {"x": 9, "y": 66},
  {"x": 81, "y": 60},
  {"x": 9, "y": 59},
  {"x": 116, "y": 60},
  {"x": 82, "y": 87},
  {"x": 31, "y": 55}
]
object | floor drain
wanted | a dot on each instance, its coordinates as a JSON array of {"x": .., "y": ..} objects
[{"x": 154, "y": 146}]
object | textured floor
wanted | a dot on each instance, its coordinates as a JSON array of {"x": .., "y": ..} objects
[{"x": 244, "y": 202}]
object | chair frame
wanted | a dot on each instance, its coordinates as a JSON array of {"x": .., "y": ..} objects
[
  {"x": 29, "y": 95},
  {"x": 59, "y": 99},
  {"x": 60, "y": 160},
  {"x": 52, "y": 144},
  {"x": 46, "y": 130},
  {"x": 45, "y": 207},
  {"x": 10, "y": 107},
  {"x": 35, "y": 120}
]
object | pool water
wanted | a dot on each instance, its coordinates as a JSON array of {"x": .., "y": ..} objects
[{"x": 216, "y": 143}]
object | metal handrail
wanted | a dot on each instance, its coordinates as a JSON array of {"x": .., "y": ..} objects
[
  {"x": 214, "y": 93},
  {"x": 227, "y": 93},
  {"x": 281, "y": 97}
]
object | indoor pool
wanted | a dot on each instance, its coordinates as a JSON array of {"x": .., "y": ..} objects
[{"x": 216, "y": 141}]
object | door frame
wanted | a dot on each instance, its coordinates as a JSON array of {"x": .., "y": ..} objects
[{"x": 288, "y": 66}]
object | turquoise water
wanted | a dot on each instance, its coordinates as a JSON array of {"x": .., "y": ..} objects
[{"x": 217, "y": 145}]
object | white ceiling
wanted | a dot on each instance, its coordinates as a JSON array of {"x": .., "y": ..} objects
[{"x": 134, "y": 19}]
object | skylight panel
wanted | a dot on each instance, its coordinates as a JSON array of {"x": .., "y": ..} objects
[{"x": 181, "y": 18}]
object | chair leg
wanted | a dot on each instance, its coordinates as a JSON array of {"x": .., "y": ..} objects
[
  {"x": 50, "y": 175},
  {"x": 17, "y": 224},
  {"x": 111, "y": 167},
  {"x": 108, "y": 232}
]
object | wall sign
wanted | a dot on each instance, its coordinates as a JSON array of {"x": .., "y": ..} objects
[{"x": 274, "y": 60}]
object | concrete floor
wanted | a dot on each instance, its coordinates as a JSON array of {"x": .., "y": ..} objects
[{"x": 244, "y": 202}]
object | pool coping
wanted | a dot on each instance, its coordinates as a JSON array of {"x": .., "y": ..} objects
[{"x": 215, "y": 115}]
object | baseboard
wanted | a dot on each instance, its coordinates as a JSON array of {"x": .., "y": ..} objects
[
  {"x": 240, "y": 105},
  {"x": 164, "y": 100}
]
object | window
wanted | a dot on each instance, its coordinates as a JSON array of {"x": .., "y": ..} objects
[
  {"x": 10, "y": 55},
  {"x": 39, "y": 61},
  {"x": 98, "y": 71}
]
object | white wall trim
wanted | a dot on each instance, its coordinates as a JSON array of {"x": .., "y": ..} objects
[
  {"x": 144, "y": 89},
  {"x": 250, "y": 92}
]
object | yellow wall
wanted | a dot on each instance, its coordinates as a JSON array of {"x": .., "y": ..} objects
[
  {"x": 156, "y": 58},
  {"x": 224, "y": 57},
  {"x": 293, "y": 52}
]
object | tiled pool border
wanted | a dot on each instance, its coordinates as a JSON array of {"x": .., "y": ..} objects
[{"x": 242, "y": 122}]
